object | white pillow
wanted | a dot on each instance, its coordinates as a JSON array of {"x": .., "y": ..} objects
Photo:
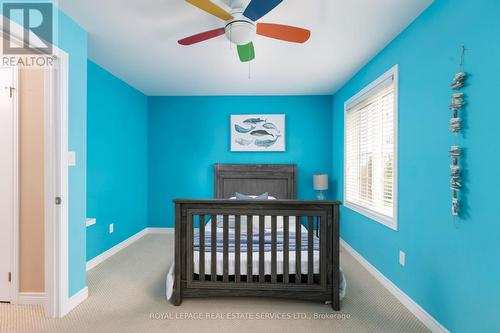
[
  {"x": 256, "y": 222},
  {"x": 255, "y": 225}
]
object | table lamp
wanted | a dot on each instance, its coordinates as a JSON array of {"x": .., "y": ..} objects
[{"x": 320, "y": 185}]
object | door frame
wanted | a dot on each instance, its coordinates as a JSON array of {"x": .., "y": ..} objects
[
  {"x": 14, "y": 243},
  {"x": 14, "y": 283},
  {"x": 56, "y": 185},
  {"x": 57, "y": 301}
]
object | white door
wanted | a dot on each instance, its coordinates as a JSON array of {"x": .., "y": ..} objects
[{"x": 6, "y": 179}]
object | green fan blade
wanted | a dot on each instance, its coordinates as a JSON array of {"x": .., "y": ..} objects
[{"x": 246, "y": 52}]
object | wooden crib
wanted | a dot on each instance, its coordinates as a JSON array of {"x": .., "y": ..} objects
[{"x": 309, "y": 270}]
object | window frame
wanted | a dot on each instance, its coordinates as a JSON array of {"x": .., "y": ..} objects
[{"x": 390, "y": 222}]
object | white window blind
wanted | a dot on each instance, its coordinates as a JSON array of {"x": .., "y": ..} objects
[{"x": 369, "y": 151}]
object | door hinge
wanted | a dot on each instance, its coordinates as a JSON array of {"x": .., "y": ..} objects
[
  {"x": 58, "y": 200},
  {"x": 10, "y": 276},
  {"x": 11, "y": 91}
]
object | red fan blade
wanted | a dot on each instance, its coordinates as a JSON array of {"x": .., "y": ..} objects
[
  {"x": 283, "y": 32},
  {"x": 202, "y": 36}
]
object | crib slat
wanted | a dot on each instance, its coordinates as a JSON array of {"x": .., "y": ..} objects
[
  {"x": 317, "y": 226},
  {"x": 213, "y": 249},
  {"x": 273, "y": 249},
  {"x": 249, "y": 248},
  {"x": 237, "y": 251},
  {"x": 298, "y": 250},
  {"x": 191, "y": 248},
  {"x": 225, "y": 253},
  {"x": 310, "y": 248},
  {"x": 261, "y": 248},
  {"x": 201, "y": 272},
  {"x": 286, "y": 262}
]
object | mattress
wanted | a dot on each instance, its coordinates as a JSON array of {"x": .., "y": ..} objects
[{"x": 255, "y": 260}]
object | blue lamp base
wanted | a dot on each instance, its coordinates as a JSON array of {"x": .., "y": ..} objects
[{"x": 320, "y": 195}]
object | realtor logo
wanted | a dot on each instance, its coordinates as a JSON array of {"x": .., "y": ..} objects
[{"x": 35, "y": 19}]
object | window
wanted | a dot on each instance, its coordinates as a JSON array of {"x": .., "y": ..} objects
[{"x": 370, "y": 163}]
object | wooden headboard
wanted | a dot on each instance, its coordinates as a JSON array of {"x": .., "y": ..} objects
[{"x": 279, "y": 180}]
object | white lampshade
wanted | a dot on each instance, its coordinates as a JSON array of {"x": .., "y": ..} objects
[{"x": 321, "y": 182}]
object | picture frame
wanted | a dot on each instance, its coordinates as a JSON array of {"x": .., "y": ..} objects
[{"x": 258, "y": 133}]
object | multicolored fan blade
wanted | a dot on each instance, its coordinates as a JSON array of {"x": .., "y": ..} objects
[
  {"x": 283, "y": 32},
  {"x": 258, "y": 8},
  {"x": 246, "y": 52},
  {"x": 211, "y": 8},
  {"x": 202, "y": 36}
]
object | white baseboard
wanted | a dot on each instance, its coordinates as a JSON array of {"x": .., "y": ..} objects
[
  {"x": 432, "y": 324},
  {"x": 75, "y": 300},
  {"x": 32, "y": 298},
  {"x": 160, "y": 231},
  {"x": 120, "y": 246},
  {"x": 115, "y": 249}
]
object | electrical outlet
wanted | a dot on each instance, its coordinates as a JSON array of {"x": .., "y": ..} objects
[
  {"x": 402, "y": 258},
  {"x": 71, "y": 158},
  {"x": 111, "y": 228}
]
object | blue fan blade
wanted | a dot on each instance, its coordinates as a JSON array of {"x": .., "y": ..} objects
[{"x": 258, "y": 8}]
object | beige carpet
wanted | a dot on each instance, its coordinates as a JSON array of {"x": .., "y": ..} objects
[{"x": 126, "y": 294}]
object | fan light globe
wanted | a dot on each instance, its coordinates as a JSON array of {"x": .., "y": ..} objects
[{"x": 240, "y": 32}]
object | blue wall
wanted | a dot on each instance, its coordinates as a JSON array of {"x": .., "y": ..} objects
[
  {"x": 116, "y": 161},
  {"x": 73, "y": 39},
  {"x": 187, "y": 135},
  {"x": 452, "y": 267}
]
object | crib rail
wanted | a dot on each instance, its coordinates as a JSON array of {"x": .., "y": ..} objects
[{"x": 292, "y": 270}]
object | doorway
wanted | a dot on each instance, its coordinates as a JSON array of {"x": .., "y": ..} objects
[{"x": 53, "y": 253}]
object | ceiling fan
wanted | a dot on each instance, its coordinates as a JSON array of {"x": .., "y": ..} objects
[{"x": 241, "y": 27}]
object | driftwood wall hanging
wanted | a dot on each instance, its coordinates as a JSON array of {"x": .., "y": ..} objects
[{"x": 456, "y": 151}]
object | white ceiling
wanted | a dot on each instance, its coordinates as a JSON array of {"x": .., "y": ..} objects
[{"x": 137, "y": 41}]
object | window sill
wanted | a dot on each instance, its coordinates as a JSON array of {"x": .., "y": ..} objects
[{"x": 389, "y": 222}]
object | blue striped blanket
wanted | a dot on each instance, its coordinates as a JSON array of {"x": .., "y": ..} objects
[{"x": 255, "y": 241}]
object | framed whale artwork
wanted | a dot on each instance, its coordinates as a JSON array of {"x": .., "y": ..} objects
[{"x": 258, "y": 132}]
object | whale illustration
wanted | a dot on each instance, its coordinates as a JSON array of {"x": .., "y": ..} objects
[
  {"x": 266, "y": 143},
  {"x": 254, "y": 121},
  {"x": 243, "y": 130},
  {"x": 261, "y": 133},
  {"x": 243, "y": 142}
]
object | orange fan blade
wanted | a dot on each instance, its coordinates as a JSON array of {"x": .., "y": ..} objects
[{"x": 283, "y": 32}]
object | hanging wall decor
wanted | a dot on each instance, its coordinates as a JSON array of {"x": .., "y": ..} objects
[
  {"x": 455, "y": 182},
  {"x": 457, "y": 103},
  {"x": 455, "y": 153}
]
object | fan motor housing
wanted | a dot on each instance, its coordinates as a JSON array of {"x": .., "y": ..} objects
[{"x": 240, "y": 30}]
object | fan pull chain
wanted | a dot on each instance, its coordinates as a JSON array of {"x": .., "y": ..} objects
[{"x": 249, "y": 64}]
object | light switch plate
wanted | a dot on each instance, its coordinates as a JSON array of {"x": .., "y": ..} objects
[
  {"x": 402, "y": 258},
  {"x": 71, "y": 158},
  {"x": 111, "y": 228}
]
